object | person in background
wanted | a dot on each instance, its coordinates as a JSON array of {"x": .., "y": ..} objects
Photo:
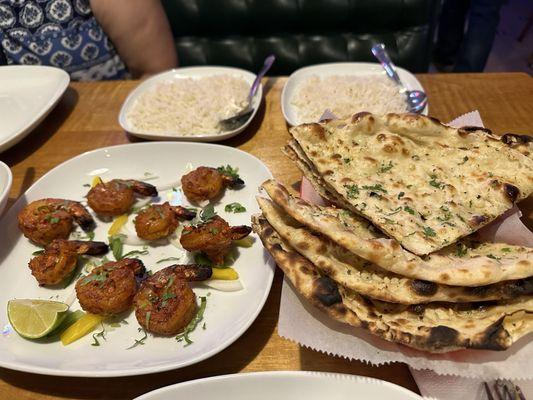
[
  {"x": 458, "y": 51},
  {"x": 91, "y": 40}
]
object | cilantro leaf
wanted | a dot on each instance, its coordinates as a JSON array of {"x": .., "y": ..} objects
[{"x": 234, "y": 208}]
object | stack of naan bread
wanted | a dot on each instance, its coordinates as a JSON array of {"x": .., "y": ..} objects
[{"x": 396, "y": 252}]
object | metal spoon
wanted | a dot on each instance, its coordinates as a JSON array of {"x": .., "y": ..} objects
[
  {"x": 416, "y": 99},
  {"x": 242, "y": 116}
]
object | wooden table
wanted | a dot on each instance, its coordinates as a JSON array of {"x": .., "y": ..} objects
[{"x": 86, "y": 119}]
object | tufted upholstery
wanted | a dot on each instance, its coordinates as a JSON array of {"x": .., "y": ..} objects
[{"x": 242, "y": 33}]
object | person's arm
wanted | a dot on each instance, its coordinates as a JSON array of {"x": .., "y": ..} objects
[{"x": 140, "y": 31}]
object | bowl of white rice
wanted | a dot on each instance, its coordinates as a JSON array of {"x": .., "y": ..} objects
[
  {"x": 344, "y": 89},
  {"x": 188, "y": 103}
]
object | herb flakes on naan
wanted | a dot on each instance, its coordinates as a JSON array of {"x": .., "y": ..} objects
[{"x": 423, "y": 183}]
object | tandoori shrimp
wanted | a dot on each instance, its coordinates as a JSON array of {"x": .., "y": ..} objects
[
  {"x": 206, "y": 183},
  {"x": 59, "y": 259},
  {"x": 213, "y": 237},
  {"x": 117, "y": 196},
  {"x": 44, "y": 220},
  {"x": 165, "y": 303},
  {"x": 160, "y": 220},
  {"x": 109, "y": 289}
]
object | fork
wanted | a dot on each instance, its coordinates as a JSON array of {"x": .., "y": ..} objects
[{"x": 503, "y": 389}]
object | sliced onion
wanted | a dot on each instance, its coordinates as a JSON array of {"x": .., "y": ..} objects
[
  {"x": 140, "y": 202},
  {"x": 168, "y": 186},
  {"x": 224, "y": 286}
]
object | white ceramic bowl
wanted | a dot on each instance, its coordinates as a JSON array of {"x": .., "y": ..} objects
[
  {"x": 6, "y": 180},
  {"x": 180, "y": 73},
  {"x": 322, "y": 70}
]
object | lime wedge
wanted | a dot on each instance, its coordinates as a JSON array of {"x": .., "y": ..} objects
[{"x": 34, "y": 319}]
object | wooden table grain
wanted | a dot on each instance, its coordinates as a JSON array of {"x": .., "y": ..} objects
[{"x": 86, "y": 119}]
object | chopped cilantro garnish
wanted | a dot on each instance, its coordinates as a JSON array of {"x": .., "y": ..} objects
[
  {"x": 98, "y": 334},
  {"x": 229, "y": 171},
  {"x": 201, "y": 259},
  {"x": 116, "y": 245},
  {"x": 505, "y": 250},
  {"x": 194, "y": 323},
  {"x": 376, "y": 188},
  {"x": 460, "y": 250},
  {"x": 139, "y": 342},
  {"x": 400, "y": 195},
  {"x": 135, "y": 252},
  {"x": 167, "y": 259},
  {"x": 389, "y": 221},
  {"x": 234, "y": 208},
  {"x": 429, "y": 232},
  {"x": 409, "y": 210},
  {"x": 384, "y": 168},
  {"x": 494, "y": 257},
  {"x": 352, "y": 191},
  {"x": 207, "y": 213},
  {"x": 38, "y": 252},
  {"x": 347, "y": 160},
  {"x": 93, "y": 278},
  {"x": 435, "y": 183}
]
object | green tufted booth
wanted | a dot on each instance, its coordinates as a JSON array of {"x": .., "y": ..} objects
[{"x": 242, "y": 33}]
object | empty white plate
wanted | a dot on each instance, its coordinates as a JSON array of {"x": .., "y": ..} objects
[
  {"x": 27, "y": 95},
  {"x": 290, "y": 112},
  {"x": 180, "y": 73},
  {"x": 287, "y": 385}
]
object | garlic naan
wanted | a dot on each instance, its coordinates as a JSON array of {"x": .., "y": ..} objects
[{"x": 421, "y": 182}]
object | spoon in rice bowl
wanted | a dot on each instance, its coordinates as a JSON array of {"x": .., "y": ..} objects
[
  {"x": 416, "y": 99},
  {"x": 242, "y": 116}
]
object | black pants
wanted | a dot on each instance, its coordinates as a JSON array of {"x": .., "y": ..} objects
[{"x": 468, "y": 51}]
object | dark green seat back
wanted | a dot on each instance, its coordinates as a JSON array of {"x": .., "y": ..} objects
[{"x": 242, "y": 33}]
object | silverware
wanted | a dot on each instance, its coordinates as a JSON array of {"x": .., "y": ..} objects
[
  {"x": 416, "y": 99},
  {"x": 240, "y": 118},
  {"x": 503, "y": 389}
]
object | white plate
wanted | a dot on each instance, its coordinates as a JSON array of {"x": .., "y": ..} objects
[
  {"x": 189, "y": 72},
  {"x": 228, "y": 314},
  {"x": 6, "y": 179},
  {"x": 286, "y": 385},
  {"x": 357, "y": 68},
  {"x": 27, "y": 95}
]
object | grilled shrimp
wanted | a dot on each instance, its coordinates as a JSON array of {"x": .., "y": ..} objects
[
  {"x": 165, "y": 303},
  {"x": 205, "y": 183},
  {"x": 59, "y": 259},
  {"x": 44, "y": 220},
  {"x": 109, "y": 289},
  {"x": 117, "y": 196},
  {"x": 160, "y": 220},
  {"x": 214, "y": 238}
]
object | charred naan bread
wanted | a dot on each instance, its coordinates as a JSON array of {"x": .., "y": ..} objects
[
  {"x": 421, "y": 182},
  {"x": 434, "y": 327},
  {"x": 368, "y": 279},
  {"x": 465, "y": 263}
]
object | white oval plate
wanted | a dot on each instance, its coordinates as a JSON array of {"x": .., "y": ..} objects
[
  {"x": 287, "y": 385},
  {"x": 228, "y": 314},
  {"x": 357, "y": 68},
  {"x": 6, "y": 180},
  {"x": 27, "y": 95},
  {"x": 189, "y": 72}
]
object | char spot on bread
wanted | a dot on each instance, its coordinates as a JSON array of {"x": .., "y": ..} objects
[
  {"x": 424, "y": 288},
  {"x": 442, "y": 336},
  {"x": 326, "y": 291},
  {"x": 511, "y": 191}
]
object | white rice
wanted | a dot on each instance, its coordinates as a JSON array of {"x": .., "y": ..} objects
[
  {"x": 188, "y": 106},
  {"x": 345, "y": 95}
]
